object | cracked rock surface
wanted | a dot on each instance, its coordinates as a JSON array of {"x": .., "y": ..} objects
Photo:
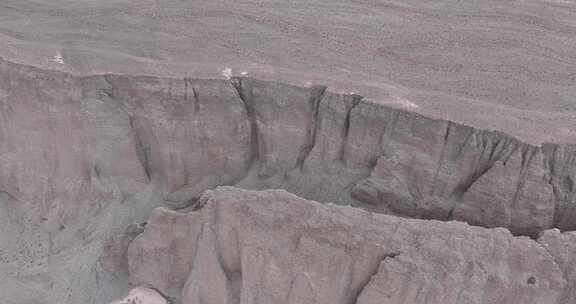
[
  {"x": 103, "y": 151},
  {"x": 273, "y": 247},
  {"x": 446, "y": 128}
]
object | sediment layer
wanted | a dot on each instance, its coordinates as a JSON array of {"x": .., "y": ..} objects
[
  {"x": 191, "y": 135},
  {"x": 82, "y": 157}
]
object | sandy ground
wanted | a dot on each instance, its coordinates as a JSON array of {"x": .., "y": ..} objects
[{"x": 502, "y": 65}]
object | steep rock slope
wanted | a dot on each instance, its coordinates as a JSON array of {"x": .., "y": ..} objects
[
  {"x": 191, "y": 135},
  {"x": 562, "y": 246},
  {"x": 273, "y": 247},
  {"x": 69, "y": 174},
  {"x": 82, "y": 157}
]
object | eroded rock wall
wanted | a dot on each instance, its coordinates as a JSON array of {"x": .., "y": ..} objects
[
  {"x": 69, "y": 175},
  {"x": 562, "y": 247},
  {"x": 84, "y": 157},
  {"x": 273, "y": 247},
  {"x": 191, "y": 135},
  {"x": 436, "y": 169}
]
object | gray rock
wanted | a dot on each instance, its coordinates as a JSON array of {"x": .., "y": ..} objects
[
  {"x": 273, "y": 247},
  {"x": 142, "y": 295},
  {"x": 105, "y": 150},
  {"x": 562, "y": 247},
  {"x": 104, "y": 117}
]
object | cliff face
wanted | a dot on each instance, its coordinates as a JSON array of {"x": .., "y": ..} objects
[
  {"x": 82, "y": 157},
  {"x": 273, "y": 247},
  {"x": 332, "y": 147}
]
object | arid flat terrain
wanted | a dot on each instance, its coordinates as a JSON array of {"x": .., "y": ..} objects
[{"x": 501, "y": 65}]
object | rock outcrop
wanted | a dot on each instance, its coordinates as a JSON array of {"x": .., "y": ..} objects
[
  {"x": 84, "y": 157},
  {"x": 562, "y": 247},
  {"x": 273, "y": 247},
  {"x": 110, "y": 110},
  {"x": 192, "y": 135},
  {"x": 142, "y": 295}
]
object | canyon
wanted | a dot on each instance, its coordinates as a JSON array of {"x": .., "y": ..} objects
[
  {"x": 287, "y": 152},
  {"x": 104, "y": 151}
]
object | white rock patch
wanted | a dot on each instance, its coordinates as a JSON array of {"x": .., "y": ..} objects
[
  {"x": 227, "y": 73},
  {"x": 142, "y": 295},
  {"x": 58, "y": 58}
]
